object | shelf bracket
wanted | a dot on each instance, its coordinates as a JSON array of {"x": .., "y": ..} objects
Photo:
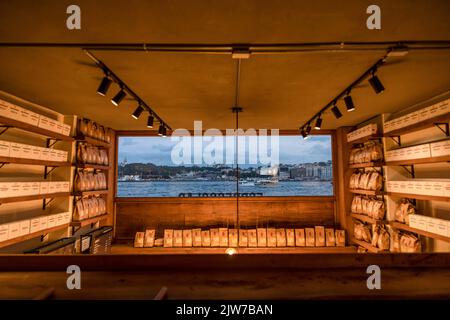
[
  {"x": 4, "y": 129},
  {"x": 410, "y": 170},
  {"x": 397, "y": 140},
  {"x": 444, "y": 127},
  {"x": 46, "y": 203},
  {"x": 51, "y": 142},
  {"x": 2, "y": 164},
  {"x": 47, "y": 172}
]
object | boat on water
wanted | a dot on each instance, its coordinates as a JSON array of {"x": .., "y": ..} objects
[{"x": 246, "y": 183}]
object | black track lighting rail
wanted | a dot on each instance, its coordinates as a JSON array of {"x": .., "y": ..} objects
[
  {"x": 256, "y": 48},
  {"x": 123, "y": 86},
  {"x": 371, "y": 71}
]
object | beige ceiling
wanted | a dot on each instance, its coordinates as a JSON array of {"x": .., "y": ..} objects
[{"x": 277, "y": 91}]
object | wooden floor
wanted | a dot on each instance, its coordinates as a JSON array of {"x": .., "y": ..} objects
[{"x": 276, "y": 284}]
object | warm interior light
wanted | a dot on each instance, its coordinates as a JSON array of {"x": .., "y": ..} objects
[
  {"x": 160, "y": 130},
  {"x": 118, "y": 97},
  {"x": 137, "y": 113},
  {"x": 104, "y": 86},
  {"x": 231, "y": 251},
  {"x": 304, "y": 135},
  {"x": 318, "y": 125}
]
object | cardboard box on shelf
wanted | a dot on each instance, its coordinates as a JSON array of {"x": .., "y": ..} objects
[
  {"x": 320, "y": 236},
  {"x": 59, "y": 127},
  {"x": 300, "y": 237},
  {"x": 432, "y": 225},
  {"x": 43, "y": 187},
  {"x": 59, "y": 219},
  {"x": 53, "y": 155},
  {"x": 422, "y": 222},
  {"x": 15, "y": 150},
  {"x": 52, "y": 187},
  {"x": 243, "y": 238},
  {"x": 43, "y": 222},
  {"x": 442, "y": 227},
  {"x": 35, "y": 225},
  {"x": 53, "y": 125},
  {"x": 444, "y": 107},
  {"x": 419, "y": 187},
  {"x": 4, "y": 109},
  {"x": 14, "y": 230},
  {"x": 215, "y": 237},
  {"x": 262, "y": 237},
  {"x": 5, "y": 147},
  {"x": 310, "y": 237},
  {"x": 52, "y": 220},
  {"x": 65, "y": 129},
  {"x": 44, "y": 122},
  {"x": 16, "y": 190},
  {"x": 427, "y": 188},
  {"x": 281, "y": 237},
  {"x": 252, "y": 238},
  {"x": 168, "y": 238},
  {"x": 290, "y": 237},
  {"x": 271, "y": 237},
  {"x": 197, "y": 237},
  {"x": 206, "y": 238},
  {"x": 15, "y": 112},
  {"x": 5, "y": 189},
  {"x": 36, "y": 152},
  {"x": 413, "y": 221},
  {"x": 67, "y": 217},
  {"x": 424, "y": 114},
  {"x": 438, "y": 188},
  {"x": 223, "y": 237},
  {"x": 24, "y": 227},
  {"x": 410, "y": 187},
  {"x": 29, "y": 117},
  {"x": 232, "y": 237},
  {"x": 440, "y": 149},
  {"x": 27, "y": 151},
  {"x": 187, "y": 238},
  {"x": 65, "y": 186},
  {"x": 4, "y": 230},
  {"x": 45, "y": 154},
  {"x": 35, "y": 188}
]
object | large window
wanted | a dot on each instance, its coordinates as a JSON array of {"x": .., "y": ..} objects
[{"x": 206, "y": 166}]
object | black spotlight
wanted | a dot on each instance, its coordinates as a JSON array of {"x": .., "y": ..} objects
[
  {"x": 137, "y": 113},
  {"x": 150, "y": 121},
  {"x": 104, "y": 86},
  {"x": 308, "y": 129},
  {"x": 337, "y": 113},
  {"x": 318, "y": 123},
  {"x": 376, "y": 84},
  {"x": 349, "y": 103},
  {"x": 160, "y": 130},
  {"x": 118, "y": 97},
  {"x": 304, "y": 135},
  {"x": 164, "y": 133}
]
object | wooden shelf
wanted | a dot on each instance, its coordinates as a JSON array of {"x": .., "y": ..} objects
[
  {"x": 93, "y": 141},
  {"x": 92, "y": 166},
  {"x": 419, "y": 125},
  {"x": 365, "y": 139},
  {"x": 31, "y": 235},
  {"x": 418, "y": 161},
  {"x": 418, "y": 196},
  {"x": 90, "y": 193},
  {"x": 34, "y": 197},
  {"x": 47, "y": 163},
  {"x": 366, "y": 165},
  {"x": 367, "y": 245},
  {"x": 366, "y": 192},
  {"x": 89, "y": 221},
  {"x": 405, "y": 227},
  {"x": 367, "y": 219},
  {"x": 30, "y": 128},
  {"x": 129, "y": 249}
]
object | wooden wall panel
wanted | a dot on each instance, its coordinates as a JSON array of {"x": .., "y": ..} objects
[{"x": 134, "y": 214}]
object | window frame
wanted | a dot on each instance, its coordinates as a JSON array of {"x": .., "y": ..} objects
[{"x": 154, "y": 133}]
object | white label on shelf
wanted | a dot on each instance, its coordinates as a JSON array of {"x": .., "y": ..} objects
[
  {"x": 440, "y": 149},
  {"x": 442, "y": 227},
  {"x": 14, "y": 112},
  {"x": 14, "y": 230},
  {"x": 15, "y": 150},
  {"x": 51, "y": 221},
  {"x": 4, "y": 230},
  {"x": 36, "y": 153},
  {"x": 35, "y": 224},
  {"x": 4, "y": 109},
  {"x": 4, "y": 148},
  {"x": 16, "y": 189},
  {"x": 24, "y": 227},
  {"x": 43, "y": 221},
  {"x": 5, "y": 189},
  {"x": 43, "y": 187},
  {"x": 65, "y": 129}
]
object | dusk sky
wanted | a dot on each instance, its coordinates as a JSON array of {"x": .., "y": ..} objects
[{"x": 156, "y": 150}]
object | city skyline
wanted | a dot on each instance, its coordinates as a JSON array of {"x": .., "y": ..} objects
[{"x": 292, "y": 150}]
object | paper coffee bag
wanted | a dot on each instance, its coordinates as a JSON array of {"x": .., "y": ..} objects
[
  {"x": 187, "y": 238},
  {"x": 252, "y": 238},
  {"x": 168, "y": 238},
  {"x": 149, "y": 238},
  {"x": 330, "y": 238},
  {"x": 262, "y": 237},
  {"x": 281, "y": 237},
  {"x": 300, "y": 237},
  {"x": 310, "y": 237},
  {"x": 177, "y": 238},
  {"x": 215, "y": 237},
  {"x": 206, "y": 238},
  {"x": 243, "y": 238},
  {"x": 271, "y": 237},
  {"x": 290, "y": 238},
  {"x": 196, "y": 237},
  {"x": 139, "y": 240},
  {"x": 320, "y": 236}
]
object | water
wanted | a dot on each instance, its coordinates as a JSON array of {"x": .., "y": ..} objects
[{"x": 174, "y": 188}]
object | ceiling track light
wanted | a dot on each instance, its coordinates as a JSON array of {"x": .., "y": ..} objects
[
  {"x": 304, "y": 135},
  {"x": 376, "y": 84},
  {"x": 118, "y": 97},
  {"x": 137, "y": 113},
  {"x": 318, "y": 124},
  {"x": 104, "y": 86},
  {"x": 164, "y": 132},
  {"x": 150, "y": 120},
  {"x": 308, "y": 129},
  {"x": 349, "y": 103},
  {"x": 337, "y": 113},
  {"x": 160, "y": 130}
]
